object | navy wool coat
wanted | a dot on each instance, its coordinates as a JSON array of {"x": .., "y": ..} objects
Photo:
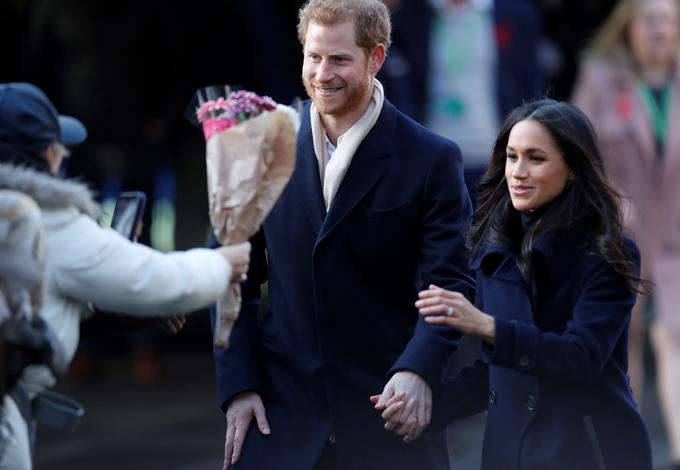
[
  {"x": 555, "y": 383},
  {"x": 342, "y": 285}
]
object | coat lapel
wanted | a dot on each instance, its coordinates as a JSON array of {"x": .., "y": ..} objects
[
  {"x": 364, "y": 171},
  {"x": 505, "y": 281},
  {"x": 306, "y": 177}
]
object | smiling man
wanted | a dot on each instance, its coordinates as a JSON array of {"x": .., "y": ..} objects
[{"x": 375, "y": 211}]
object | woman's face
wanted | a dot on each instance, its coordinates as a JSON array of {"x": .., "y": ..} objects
[
  {"x": 655, "y": 32},
  {"x": 534, "y": 167}
]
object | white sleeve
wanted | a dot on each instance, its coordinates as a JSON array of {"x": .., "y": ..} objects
[{"x": 98, "y": 265}]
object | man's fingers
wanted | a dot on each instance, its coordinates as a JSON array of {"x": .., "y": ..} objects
[
  {"x": 391, "y": 410},
  {"x": 228, "y": 446},
  {"x": 413, "y": 435},
  {"x": 384, "y": 396},
  {"x": 408, "y": 427},
  {"x": 239, "y": 434},
  {"x": 400, "y": 416},
  {"x": 374, "y": 398},
  {"x": 261, "y": 419},
  {"x": 408, "y": 411},
  {"x": 397, "y": 397}
]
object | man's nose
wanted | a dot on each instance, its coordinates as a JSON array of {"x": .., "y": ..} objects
[{"x": 324, "y": 73}]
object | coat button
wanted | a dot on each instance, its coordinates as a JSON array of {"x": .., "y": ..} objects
[
  {"x": 492, "y": 397},
  {"x": 524, "y": 361},
  {"x": 531, "y": 403},
  {"x": 331, "y": 438}
]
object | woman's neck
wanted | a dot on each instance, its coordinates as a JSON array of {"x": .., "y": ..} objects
[{"x": 656, "y": 75}]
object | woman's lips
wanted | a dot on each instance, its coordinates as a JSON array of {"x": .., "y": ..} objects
[{"x": 521, "y": 190}]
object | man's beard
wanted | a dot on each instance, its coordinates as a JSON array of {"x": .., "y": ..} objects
[{"x": 352, "y": 96}]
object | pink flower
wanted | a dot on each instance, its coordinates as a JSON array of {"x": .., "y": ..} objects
[{"x": 238, "y": 106}]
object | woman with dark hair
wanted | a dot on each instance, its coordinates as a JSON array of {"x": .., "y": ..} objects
[{"x": 556, "y": 282}]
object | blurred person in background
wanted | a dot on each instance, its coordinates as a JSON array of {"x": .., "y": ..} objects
[
  {"x": 87, "y": 264},
  {"x": 629, "y": 86},
  {"x": 458, "y": 66}
]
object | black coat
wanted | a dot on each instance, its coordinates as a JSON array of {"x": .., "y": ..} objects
[
  {"x": 342, "y": 287},
  {"x": 555, "y": 382}
]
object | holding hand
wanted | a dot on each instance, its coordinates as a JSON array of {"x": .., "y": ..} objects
[
  {"x": 406, "y": 403},
  {"x": 238, "y": 257},
  {"x": 452, "y": 308}
]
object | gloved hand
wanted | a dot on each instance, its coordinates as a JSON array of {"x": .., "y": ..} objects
[{"x": 25, "y": 343}]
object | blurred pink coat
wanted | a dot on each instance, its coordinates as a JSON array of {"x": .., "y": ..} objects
[{"x": 607, "y": 93}]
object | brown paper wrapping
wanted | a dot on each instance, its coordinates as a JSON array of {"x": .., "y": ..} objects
[{"x": 248, "y": 166}]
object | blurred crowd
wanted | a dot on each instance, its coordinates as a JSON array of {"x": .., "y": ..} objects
[{"x": 128, "y": 71}]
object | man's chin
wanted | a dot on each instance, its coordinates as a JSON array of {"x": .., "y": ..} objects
[{"x": 324, "y": 106}]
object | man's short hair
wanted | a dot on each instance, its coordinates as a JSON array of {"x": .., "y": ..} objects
[{"x": 372, "y": 19}]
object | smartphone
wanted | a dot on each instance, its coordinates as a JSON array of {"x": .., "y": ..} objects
[{"x": 128, "y": 214}]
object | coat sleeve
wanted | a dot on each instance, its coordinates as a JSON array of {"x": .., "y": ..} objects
[
  {"x": 443, "y": 261},
  {"x": 599, "y": 319},
  {"x": 464, "y": 394},
  {"x": 237, "y": 366},
  {"x": 120, "y": 276}
]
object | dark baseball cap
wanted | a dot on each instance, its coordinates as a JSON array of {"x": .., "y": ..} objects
[{"x": 29, "y": 120}]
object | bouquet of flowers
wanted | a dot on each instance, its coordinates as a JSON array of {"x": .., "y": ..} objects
[{"x": 250, "y": 156}]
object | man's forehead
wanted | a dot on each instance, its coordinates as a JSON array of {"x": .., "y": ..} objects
[{"x": 337, "y": 31}]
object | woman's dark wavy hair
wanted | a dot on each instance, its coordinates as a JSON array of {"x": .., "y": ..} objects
[{"x": 589, "y": 202}]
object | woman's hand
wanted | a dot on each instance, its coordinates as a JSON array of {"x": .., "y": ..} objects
[
  {"x": 442, "y": 306},
  {"x": 238, "y": 257},
  {"x": 172, "y": 325}
]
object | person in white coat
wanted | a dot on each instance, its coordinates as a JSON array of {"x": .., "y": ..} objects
[{"x": 87, "y": 264}]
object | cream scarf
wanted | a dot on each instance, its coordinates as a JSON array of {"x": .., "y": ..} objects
[{"x": 333, "y": 170}]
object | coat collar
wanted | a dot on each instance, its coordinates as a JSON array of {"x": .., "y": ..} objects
[
  {"x": 363, "y": 173},
  {"x": 50, "y": 192},
  {"x": 306, "y": 176},
  {"x": 556, "y": 256}
]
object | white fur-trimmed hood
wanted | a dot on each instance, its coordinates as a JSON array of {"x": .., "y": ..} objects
[{"x": 49, "y": 191}]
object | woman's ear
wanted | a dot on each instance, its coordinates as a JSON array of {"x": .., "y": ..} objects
[{"x": 54, "y": 156}]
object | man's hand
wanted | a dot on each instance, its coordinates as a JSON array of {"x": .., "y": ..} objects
[
  {"x": 239, "y": 415},
  {"x": 406, "y": 403}
]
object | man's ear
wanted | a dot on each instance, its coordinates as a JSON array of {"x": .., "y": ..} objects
[{"x": 377, "y": 58}]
